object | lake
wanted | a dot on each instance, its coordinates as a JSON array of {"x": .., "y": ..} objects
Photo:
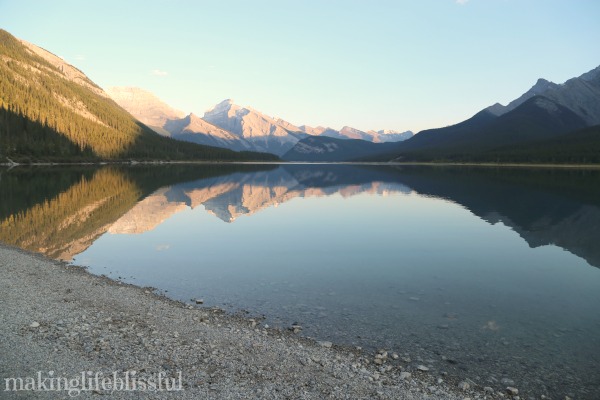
[{"x": 491, "y": 274}]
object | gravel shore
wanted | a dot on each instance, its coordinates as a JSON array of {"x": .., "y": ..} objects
[{"x": 60, "y": 318}]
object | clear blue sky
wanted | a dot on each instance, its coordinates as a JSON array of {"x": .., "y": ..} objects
[{"x": 388, "y": 64}]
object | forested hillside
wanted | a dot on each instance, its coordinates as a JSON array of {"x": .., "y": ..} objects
[{"x": 45, "y": 115}]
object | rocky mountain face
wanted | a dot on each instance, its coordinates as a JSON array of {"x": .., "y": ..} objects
[
  {"x": 52, "y": 112},
  {"x": 167, "y": 121},
  {"x": 389, "y": 136},
  {"x": 313, "y": 131},
  {"x": 347, "y": 132},
  {"x": 67, "y": 71},
  {"x": 145, "y": 106},
  {"x": 231, "y": 126},
  {"x": 263, "y": 132},
  {"x": 195, "y": 129},
  {"x": 581, "y": 95},
  {"x": 541, "y": 116},
  {"x": 540, "y": 87}
]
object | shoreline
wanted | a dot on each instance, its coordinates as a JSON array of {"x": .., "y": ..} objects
[
  {"x": 378, "y": 163},
  {"x": 61, "y": 318}
]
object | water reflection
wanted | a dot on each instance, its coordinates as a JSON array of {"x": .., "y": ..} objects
[
  {"x": 544, "y": 207},
  {"x": 60, "y": 213},
  {"x": 459, "y": 264}
]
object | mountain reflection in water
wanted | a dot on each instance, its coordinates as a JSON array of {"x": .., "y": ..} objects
[
  {"x": 72, "y": 208},
  {"x": 460, "y": 262}
]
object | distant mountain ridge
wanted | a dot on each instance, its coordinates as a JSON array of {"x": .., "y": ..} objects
[
  {"x": 579, "y": 94},
  {"x": 192, "y": 128},
  {"x": 324, "y": 148},
  {"x": 234, "y": 127},
  {"x": 51, "y": 111},
  {"x": 347, "y": 132},
  {"x": 263, "y": 132},
  {"x": 544, "y": 112},
  {"x": 541, "y": 125},
  {"x": 145, "y": 106},
  {"x": 540, "y": 87}
]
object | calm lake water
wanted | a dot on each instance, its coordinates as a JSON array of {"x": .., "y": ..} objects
[{"x": 491, "y": 274}]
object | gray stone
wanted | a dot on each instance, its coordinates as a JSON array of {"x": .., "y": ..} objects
[
  {"x": 34, "y": 324},
  {"x": 405, "y": 375},
  {"x": 422, "y": 368},
  {"x": 464, "y": 386},
  {"x": 512, "y": 391}
]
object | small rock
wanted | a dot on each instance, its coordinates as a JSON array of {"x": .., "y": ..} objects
[
  {"x": 404, "y": 375},
  {"x": 512, "y": 391},
  {"x": 378, "y": 361},
  {"x": 395, "y": 356},
  {"x": 422, "y": 368},
  {"x": 507, "y": 382},
  {"x": 35, "y": 324},
  {"x": 326, "y": 344},
  {"x": 488, "y": 389},
  {"x": 199, "y": 301},
  {"x": 464, "y": 386}
]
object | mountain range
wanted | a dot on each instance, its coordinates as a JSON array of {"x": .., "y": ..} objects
[
  {"x": 51, "y": 111},
  {"x": 231, "y": 126},
  {"x": 548, "y": 123}
]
